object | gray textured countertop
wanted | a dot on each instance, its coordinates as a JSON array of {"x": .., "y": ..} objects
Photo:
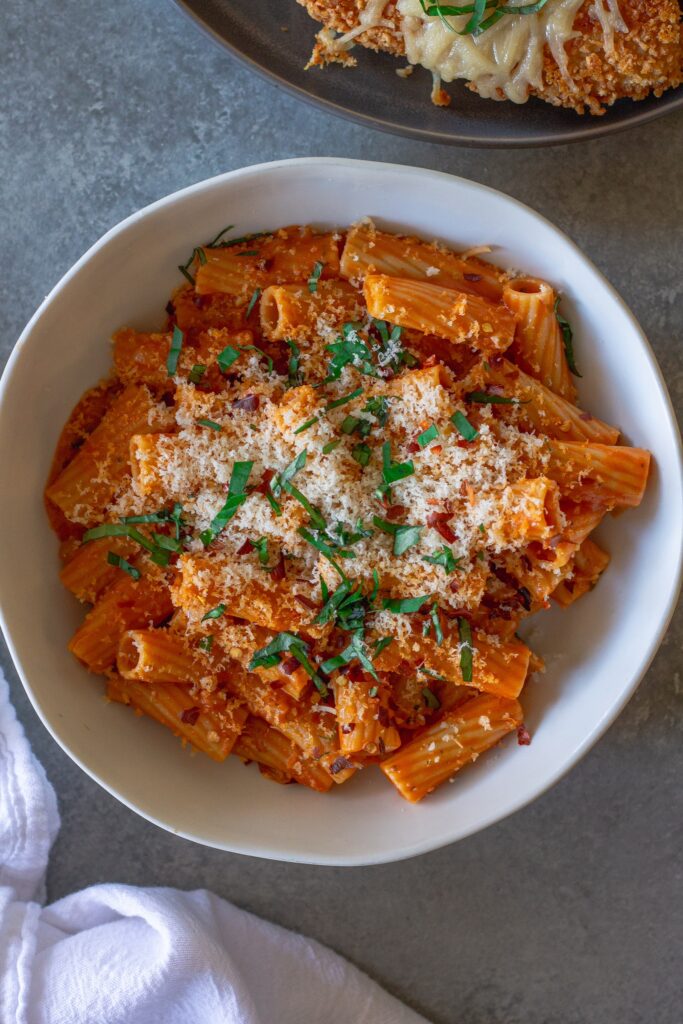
[{"x": 564, "y": 913}]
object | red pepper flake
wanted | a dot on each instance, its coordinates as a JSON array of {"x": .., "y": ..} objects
[
  {"x": 306, "y": 602},
  {"x": 201, "y": 301},
  {"x": 454, "y": 587},
  {"x": 523, "y": 735},
  {"x": 394, "y": 511},
  {"x": 339, "y": 765},
  {"x": 430, "y": 361},
  {"x": 289, "y": 666},
  {"x": 190, "y": 715},
  {"x": 278, "y": 571},
  {"x": 264, "y": 485},
  {"x": 249, "y": 403},
  {"x": 355, "y": 674},
  {"x": 439, "y": 520},
  {"x": 245, "y": 548},
  {"x": 586, "y": 417},
  {"x": 307, "y": 638},
  {"x": 348, "y": 728},
  {"x": 436, "y": 449},
  {"x": 382, "y": 715},
  {"x": 472, "y": 277}
]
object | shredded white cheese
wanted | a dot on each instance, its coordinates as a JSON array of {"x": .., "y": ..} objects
[{"x": 506, "y": 60}]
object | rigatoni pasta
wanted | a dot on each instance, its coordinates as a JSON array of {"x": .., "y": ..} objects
[{"x": 312, "y": 512}]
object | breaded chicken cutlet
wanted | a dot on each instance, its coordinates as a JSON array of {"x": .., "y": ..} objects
[{"x": 645, "y": 56}]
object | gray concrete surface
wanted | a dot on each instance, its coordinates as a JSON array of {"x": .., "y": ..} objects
[{"x": 563, "y": 914}]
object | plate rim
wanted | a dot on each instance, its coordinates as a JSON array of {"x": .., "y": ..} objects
[
  {"x": 599, "y": 727},
  {"x": 671, "y": 101}
]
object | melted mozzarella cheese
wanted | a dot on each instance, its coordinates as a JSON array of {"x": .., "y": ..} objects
[{"x": 507, "y": 59}]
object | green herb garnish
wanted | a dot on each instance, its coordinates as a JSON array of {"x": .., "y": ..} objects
[
  {"x": 269, "y": 656},
  {"x": 206, "y": 643},
  {"x": 344, "y": 399},
  {"x": 567, "y": 338},
  {"x": 121, "y": 563},
  {"x": 236, "y": 497},
  {"x": 405, "y": 536},
  {"x": 196, "y": 373},
  {"x": 294, "y": 376},
  {"x": 362, "y": 454},
  {"x": 445, "y": 558},
  {"x": 464, "y": 427},
  {"x": 227, "y": 357},
  {"x": 406, "y": 605},
  {"x": 288, "y": 473},
  {"x": 466, "y": 649},
  {"x": 306, "y": 425},
  {"x": 485, "y": 398},
  {"x": 430, "y": 699},
  {"x": 215, "y": 613},
  {"x": 427, "y": 435},
  {"x": 256, "y": 295},
  {"x": 211, "y": 424},
  {"x": 355, "y": 651},
  {"x": 330, "y": 446},
  {"x": 174, "y": 351},
  {"x": 315, "y": 277},
  {"x": 261, "y": 547}
]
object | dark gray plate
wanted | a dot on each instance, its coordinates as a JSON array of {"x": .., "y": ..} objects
[{"x": 372, "y": 94}]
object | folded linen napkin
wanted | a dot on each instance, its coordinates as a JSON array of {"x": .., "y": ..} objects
[{"x": 116, "y": 954}]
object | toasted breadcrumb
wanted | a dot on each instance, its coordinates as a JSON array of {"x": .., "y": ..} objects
[{"x": 646, "y": 59}]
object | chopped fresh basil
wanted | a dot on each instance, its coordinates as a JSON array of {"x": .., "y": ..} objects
[
  {"x": 464, "y": 427},
  {"x": 445, "y": 558},
  {"x": 288, "y": 473},
  {"x": 317, "y": 518},
  {"x": 256, "y": 295},
  {"x": 121, "y": 563},
  {"x": 196, "y": 373},
  {"x": 326, "y": 550},
  {"x": 349, "y": 349},
  {"x": 381, "y": 645},
  {"x": 436, "y": 623},
  {"x": 215, "y": 613},
  {"x": 355, "y": 651},
  {"x": 362, "y": 454},
  {"x": 269, "y": 656},
  {"x": 344, "y": 399},
  {"x": 393, "y": 471},
  {"x": 405, "y": 605},
  {"x": 430, "y": 699},
  {"x": 206, "y": 643},
  {"x": 315, "y": 277},
  {"x": 227, "y": 357},
  {"x": 427, "y": 435},
  {"x": 466, "y": 649},
  {"x": 405, "y": 536},
  {"x": 485, "y": 398},
  {"x": 261, "y": 547},
  {"x": 236, "y": 497},
  {"x": 174, "y": 351},
  {"x": 306, "y": 425},
  {"x": 294, "y": 376},
  {"x": 567, "y": 339},
  {"x": 211, "y": 424},
  {"x": 330, "y": 446},
  {"x": 159, "y": 556}
]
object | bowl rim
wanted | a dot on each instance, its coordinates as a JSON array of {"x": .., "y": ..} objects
[
  {"x": 584, "y": 131},
  {"x": 598, "y": 728}
]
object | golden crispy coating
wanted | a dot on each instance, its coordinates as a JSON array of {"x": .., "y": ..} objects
[{"x": 646, "y": 59}]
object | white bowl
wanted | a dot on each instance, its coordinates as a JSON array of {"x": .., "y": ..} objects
[{"x": 597, "y": 652}]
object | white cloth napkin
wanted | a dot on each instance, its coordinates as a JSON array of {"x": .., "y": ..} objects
[{"x": 115, "y": 954}]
